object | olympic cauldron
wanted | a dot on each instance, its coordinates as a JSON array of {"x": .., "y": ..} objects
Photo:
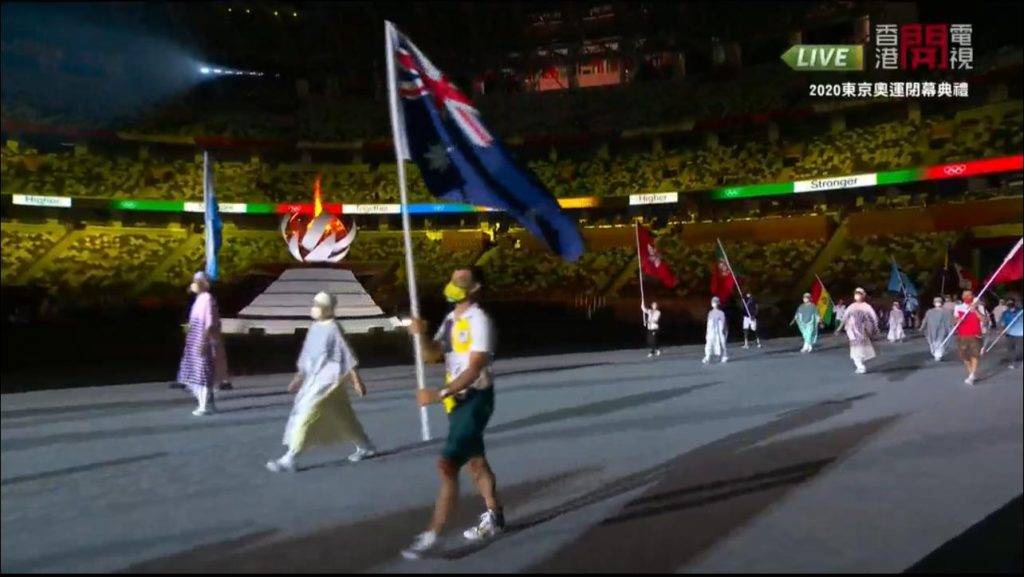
[{"x": 317, "y": 238}]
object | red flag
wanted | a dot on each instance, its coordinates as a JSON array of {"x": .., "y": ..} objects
[
  {"x": 1013, "y": 266},
  {"x": 651, "y": 262},
  {"x": 722, "y": 282}
]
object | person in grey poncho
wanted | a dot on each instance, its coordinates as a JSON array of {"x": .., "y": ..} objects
[
  {"x": 937, "y": 324},
  {"x": 322, "y": 413}
]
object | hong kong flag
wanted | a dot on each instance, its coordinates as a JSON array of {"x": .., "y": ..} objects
[
  {"x": 651, "y": 262},
  {"x": 1012, "y": 268}
]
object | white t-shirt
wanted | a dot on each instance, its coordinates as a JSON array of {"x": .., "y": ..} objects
[
  {"x": 473, "y": 332},
  {"x": 652, "y": 316}
]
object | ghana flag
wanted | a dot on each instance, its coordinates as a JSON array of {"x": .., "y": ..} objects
[{"x": 822, "y": 300}]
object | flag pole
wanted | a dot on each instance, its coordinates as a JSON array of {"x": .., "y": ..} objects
[
  {"x": 899, "y": 271},
  {"x": 945, "y": 269},
  {"x": 993, "y": 343},
  {"x": 207, "y": 238},
  {"x": 735, "y": 280},
  {"x": 639, "y": 268},
  {"x": 397, "y": 133},
  {"x": 977, "y": 298}
]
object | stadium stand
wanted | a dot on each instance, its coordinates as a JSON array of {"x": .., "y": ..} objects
[{"x": 991, "y": 130}]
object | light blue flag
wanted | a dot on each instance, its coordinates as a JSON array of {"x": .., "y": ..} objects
[
  {"x": 899, "y": 282},
  {"x": 211, "y": 220}
]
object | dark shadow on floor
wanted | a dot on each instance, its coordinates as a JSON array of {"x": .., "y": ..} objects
[
  {"x": 717, "y": 465},
  {"x": 599, "y": 408},
  {"x": 354, "y": 547},
  {"x": 80, "y": 469},
  {"x": 993, "y": 545},
  {"x": 719, "y": 488},
  {"x": 212, "y": 422}
]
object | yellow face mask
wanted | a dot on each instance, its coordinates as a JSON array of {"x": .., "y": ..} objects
[{"x": 454, "y": 294}]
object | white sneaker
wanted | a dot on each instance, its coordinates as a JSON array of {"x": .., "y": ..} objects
[
  {"x": 861, "y": 370},
  {"x": 938, "y": 358},
  {"x": 657, "y": 353},
  {"x": 705, "y": 360},
  {"x": 361, "y": 453},
  {"x": 424, "y": 543},
  {"x": 969, "y": 380},
  {"x": 725, "y": 360},
  {"x": 758, "y": 345},
  {"x": 277, "y": 466},
  {"x": 650, "y": 355},
  {"x": 203, "y": 412},
  {"x": 746, "y": 346},
  {"x": 487, "y": 528}
]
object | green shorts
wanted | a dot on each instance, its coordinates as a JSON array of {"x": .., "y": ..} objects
[{"x": 466, "y": 424}]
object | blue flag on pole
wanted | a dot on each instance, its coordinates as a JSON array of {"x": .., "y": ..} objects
[
  {"x": 899, "y": 282},
  {"x": 211, "y": 220},
  {"x": 460, "y": 160}
]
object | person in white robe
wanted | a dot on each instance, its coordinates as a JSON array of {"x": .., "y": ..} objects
[
  {"x": 322, "y": 413},
  {"x": 896, "y": 321},
  {"x": 717, "y": 332},
  {"x": 807, "y": 320},
  {"x": 937, "y": 324},
  {"x": 860, "y": 323}
]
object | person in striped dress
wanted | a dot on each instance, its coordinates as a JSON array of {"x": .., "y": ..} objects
[{"x": 201, "y": 360}]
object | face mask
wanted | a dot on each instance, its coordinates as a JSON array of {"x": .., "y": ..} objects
[{"x": 454, "y": 294}]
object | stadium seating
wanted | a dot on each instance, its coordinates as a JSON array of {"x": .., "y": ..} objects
[
  {"x": 23, "y": 245},
  {"x": 988, "y": 131},
  {"x": 107, "y": 259},
  {"x": 527, "y": 271}
]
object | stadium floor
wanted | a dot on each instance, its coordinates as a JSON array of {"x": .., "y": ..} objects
[{"x": 606, "y": 462}]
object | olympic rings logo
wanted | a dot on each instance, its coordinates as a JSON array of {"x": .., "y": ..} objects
[{"x": 954, "y": 169}]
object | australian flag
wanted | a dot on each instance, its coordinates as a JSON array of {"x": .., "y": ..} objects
[
  {"x": 211, "y": 220},
  {"x": 439, "y": 129}
]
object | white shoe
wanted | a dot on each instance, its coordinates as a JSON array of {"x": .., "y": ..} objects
[
  {"x": 758, "y": 345},
  {"x": 657, "y": 353},
  {"x": 861, "y": 370},
  {"x": 203, "y": 412},
  {"x": 650, "y": 355},
  {"x": 1012, "y": 366},
  {"x": 424, "y": 543},
  {"x": 706, "y": 360},
  {"x": 938, "y": 358},
  {"x": 969, "y": 380},
  {"x": 361, "y": 453},
  {"x": 487, "y": 528},
  {"x": 746, "y": 346},
  {"x": 725, "y": 360},
  {"x": 277, "y": 466}
]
